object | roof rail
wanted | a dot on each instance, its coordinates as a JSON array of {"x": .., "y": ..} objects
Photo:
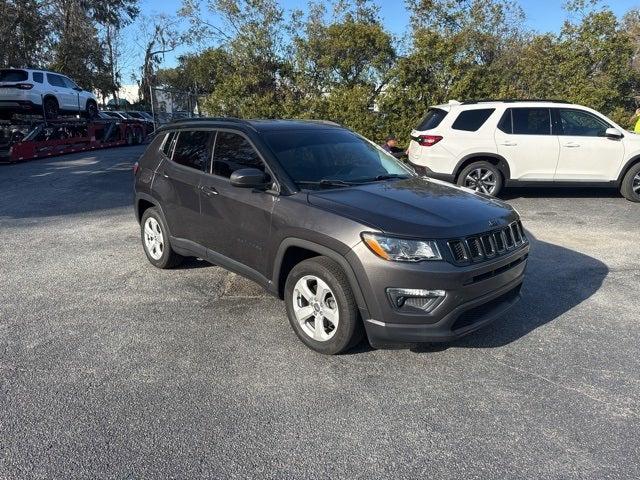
[
  {"x": 212, "y": 119},
  {"x": 513, "y": 100}
]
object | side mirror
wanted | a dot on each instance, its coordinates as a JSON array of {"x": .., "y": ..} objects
[
  {"x": 613, "y": 133},
  {"x": 248, "y": 178}
]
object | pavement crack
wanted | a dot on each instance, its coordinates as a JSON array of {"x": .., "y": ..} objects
[{"x": 624, "y": 411}]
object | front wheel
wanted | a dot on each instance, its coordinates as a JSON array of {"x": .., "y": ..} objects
[
  {"x": 483, "y": 177},
  {"x": 630, "y": 187},
  {"x": 321, "y": 307}
]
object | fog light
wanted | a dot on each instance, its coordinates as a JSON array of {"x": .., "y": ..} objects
[{"x": 412, "y": 300}]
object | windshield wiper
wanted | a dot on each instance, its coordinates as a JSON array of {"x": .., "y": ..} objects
[
  {"x": 387, "y": 176},
  {"x": 326, "y": 182}
]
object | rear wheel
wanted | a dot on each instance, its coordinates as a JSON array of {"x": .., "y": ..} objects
[
  {"x": 92, "y": 109},
  {"x": 483, "y": 177},
  {"x": 155, "y": 240},
  {"x": 630, "y": 187},
  {"x": 321, "y": 306},
  {"x": 51, "y": 108}
]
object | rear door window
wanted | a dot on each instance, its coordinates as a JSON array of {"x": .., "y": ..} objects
[
  {"x": 13, "y": 76},
  {"x": 232, "y": 152},
  {"x": 193, "y": 149},
  {"x": 531, "y": 121},
  {"x": 432, "y": 119},
  {"x": 472, "y": 120},
  {"x": 167, "y": 146}
]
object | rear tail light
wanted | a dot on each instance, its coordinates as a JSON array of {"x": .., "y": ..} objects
[
  {"x": 24, "y": 86},
  {"x": 136, "y": 167},
  {"x": 429, "y": 140}
]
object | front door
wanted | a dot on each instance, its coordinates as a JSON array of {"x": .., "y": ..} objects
[
  {"x": 586, "y": 154},
  {"x": 177, "y": 182},
  {"x": 236, "y": 221},
  {"x": 524, "y": 139}
]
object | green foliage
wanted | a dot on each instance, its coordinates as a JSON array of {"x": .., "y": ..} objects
[{"x": 345, "y": 66}]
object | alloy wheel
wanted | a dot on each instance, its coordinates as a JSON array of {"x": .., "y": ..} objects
[
  {"x": 635, "y": 185},
  {"x": 153, "y": 238},
  {"x": 481, "y": 180},
  {"x": 315, "y": 308}
]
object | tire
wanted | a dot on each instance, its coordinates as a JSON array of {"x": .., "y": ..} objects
[
  {"x": 139, "y": 136},
  {"x": 51, "y": 108},
  {"x": 129, "y": 136},
  {"x": 162, "y": 256},
  {"x": 338, "y": 305},
  {"x": 91, "y": 110},
  {"x": 475, "y": 171},
  {"x": 630, "y": 186}
]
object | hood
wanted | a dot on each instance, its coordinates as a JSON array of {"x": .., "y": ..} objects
[{"x": 417, "y": 207}]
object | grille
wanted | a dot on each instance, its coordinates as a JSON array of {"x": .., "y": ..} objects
[{"x": 487, "y": 245}]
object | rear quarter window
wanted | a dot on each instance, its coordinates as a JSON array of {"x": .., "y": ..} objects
[
  {"x": 167, "y": 144},
  {"x": 432, "y": 119},
  {"x": 38, "y": 77},
  {"x": 13, "y": 76},
  {"x": 472, "y": 120}
]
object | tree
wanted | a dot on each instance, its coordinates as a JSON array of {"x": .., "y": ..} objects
[
  {"x": 340, "y": 66},
  {"x": 23, "y": 29},
  {"x": 250, "y": 35},
  {"x": 458, "y": 51},
  {"x": 160, "y": 37}
]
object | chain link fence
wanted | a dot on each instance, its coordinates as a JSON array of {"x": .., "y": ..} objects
[{"x": 169, "y": 105}]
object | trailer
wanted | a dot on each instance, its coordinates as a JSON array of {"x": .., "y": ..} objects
[{"x": 24, "y": 139}]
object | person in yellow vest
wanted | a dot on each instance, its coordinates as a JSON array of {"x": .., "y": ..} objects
[{"x": 636, "y": 119}]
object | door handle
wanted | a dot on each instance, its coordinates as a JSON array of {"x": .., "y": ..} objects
[
  {"x": 571, "y": 145},
  {"x": 509, "y": 144},
  {"x": 209, "y": 191}
]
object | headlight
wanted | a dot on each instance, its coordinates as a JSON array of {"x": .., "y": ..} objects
[{"x": 401, "y": 249}]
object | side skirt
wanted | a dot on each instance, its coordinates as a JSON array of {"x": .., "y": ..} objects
[{"x": 189, "y": 248}]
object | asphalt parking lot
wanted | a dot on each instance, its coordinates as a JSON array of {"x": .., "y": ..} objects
[{"x": 110, "y": 368}]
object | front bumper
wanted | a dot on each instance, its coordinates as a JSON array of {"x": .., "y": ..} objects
[{"x": 475, "y": 295}]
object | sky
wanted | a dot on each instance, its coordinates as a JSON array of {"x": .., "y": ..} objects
[{"x": 541, "y": 15}]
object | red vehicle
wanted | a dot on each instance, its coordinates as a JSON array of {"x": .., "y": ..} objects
[{"x": 24, "y": 140}]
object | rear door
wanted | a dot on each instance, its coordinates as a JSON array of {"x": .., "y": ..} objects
[
  {"x": 236, "y": 221},
  {"x": 178, "y": 179},
  {"x": 524, "y": 138},
  {"x": 586, "y": 154}
]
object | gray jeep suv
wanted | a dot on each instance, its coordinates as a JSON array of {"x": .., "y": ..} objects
[{"x": 353, "y": 240}]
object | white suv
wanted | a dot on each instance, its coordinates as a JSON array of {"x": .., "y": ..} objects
[
  {"x": 486, "y": 145},
  {"x": 43, "y": 93}
]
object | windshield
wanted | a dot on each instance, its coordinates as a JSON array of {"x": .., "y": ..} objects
[{"x": 332, "y": 158}]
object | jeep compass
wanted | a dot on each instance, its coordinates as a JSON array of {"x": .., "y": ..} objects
[{"x": 350, "y": 238}]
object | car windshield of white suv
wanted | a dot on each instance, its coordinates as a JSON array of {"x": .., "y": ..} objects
[
  {"x": 13, "y": 76},
  {"x": 333, "y": 158}
]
